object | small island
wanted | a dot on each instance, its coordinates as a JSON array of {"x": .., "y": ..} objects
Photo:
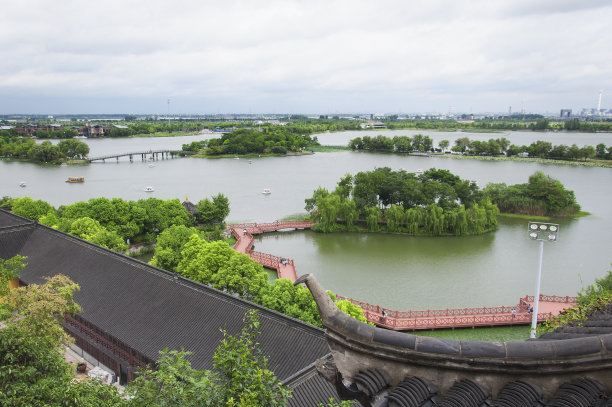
[
  {"x": 434, "y": 203},
  {"x": 244, "y": 142}
]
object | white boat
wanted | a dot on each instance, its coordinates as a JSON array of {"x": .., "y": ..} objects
[
  {"x": 151, "y": 165},
  {"x": 149, "y": 189},
  {"x": 266, "y": 191},
  {"x": 22, "y": 184},
  {"x": 419, "y": 171},
  {"x": 63, "y": 165}
]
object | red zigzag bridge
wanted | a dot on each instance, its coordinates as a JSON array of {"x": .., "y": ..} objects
[{"x": 519, "y": 314}]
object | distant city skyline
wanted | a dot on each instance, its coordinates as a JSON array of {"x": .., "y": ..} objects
[{"x": 293, "y": 57}]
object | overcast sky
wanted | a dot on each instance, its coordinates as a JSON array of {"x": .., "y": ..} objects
[{"x": 209, "y": 56}]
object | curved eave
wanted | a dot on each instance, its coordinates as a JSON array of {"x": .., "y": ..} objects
[{"x": 550, "y": 356}]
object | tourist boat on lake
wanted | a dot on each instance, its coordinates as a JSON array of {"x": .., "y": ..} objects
[
  {"x": 149, "y": 189},
  {"x": 22, "y": 184},
  {"x": 63, "y": 165},
  {"x": 266, "y": 191},
  {"x": 419, "y": 171},
  {"x": 75, "y": 179}
]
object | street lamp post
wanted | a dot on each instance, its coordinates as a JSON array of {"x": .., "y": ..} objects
[{"x": 542, "y": 232}]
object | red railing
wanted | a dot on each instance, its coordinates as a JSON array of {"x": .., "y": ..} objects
[
  {"x": 549, "y": 298},
  {"x": 457, "y": 317},
  {"x": 245, "y": 242},
  {"x": 257, "y": 228},
  {"x": 454, "y": 321},
  {"x": 401, "y": 320},
  {"x": 431, "y": 312}
]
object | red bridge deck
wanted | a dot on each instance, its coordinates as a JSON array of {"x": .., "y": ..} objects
[
  {"x": 549, "y": 306},
  {"x": 244, "y": 242}
]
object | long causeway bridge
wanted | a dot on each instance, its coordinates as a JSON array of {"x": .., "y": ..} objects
[
  {"x": 549, "y": 305},
  {"x": 144, "y": 155}
]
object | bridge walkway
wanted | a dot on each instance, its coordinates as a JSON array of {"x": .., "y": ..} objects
[
  {"x": 285, "y": 268},
  {"x": 549, "y": 307},
  {"x": 154, "y": 155},
  {"x": 519, "y": 314}
]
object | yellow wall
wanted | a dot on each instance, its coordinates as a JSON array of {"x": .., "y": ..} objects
[{"x": 14, "y": 283}]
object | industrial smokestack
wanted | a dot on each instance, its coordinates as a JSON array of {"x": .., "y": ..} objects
[{"x": 599, "y": 103}]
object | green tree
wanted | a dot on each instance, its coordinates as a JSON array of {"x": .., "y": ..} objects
[
  {"x": 242, "y": 369},
  {"x": 600, "y": 151},
  {"x": 91, "y": 230},
  {"x": 352, "y": 310},
  {"x": 462, "y": 143},
  {"x": 373, "y": 216},
  {"x": 161, "y": 214},
  {"x": 72, "y": 148},
  {"x": 32, "y": 369},
  {"x": 240, "y": 376},
  {"x": 587, "y": 152},
  {"x": 541, "y": 124},
  {"x": 213, "y": 212},
  {"x": 45, "y": 152},
  {"x": 169, "y": 246},
  {"x": 444, "y": 145},
  {"x": 241, "y": 275},
  {"x": 294, "y": 301},
  {"x": 29, "y": 208}
]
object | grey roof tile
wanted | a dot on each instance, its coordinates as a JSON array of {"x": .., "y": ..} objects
[{"x": 144, "y": 307}]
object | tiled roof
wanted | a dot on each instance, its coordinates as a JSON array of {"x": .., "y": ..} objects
[
  {"x": 8, "y": 219},
  {"x": 600, "y": 323},
  {"x": 380, "y": 367},
  {"x": 419, "y": 392},
  {"x": 308, "y": 388},
  {"x": 151, "y": 309}
]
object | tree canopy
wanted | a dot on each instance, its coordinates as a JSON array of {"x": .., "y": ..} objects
[
  {"x": 542, "y": 196},
  {"x": 270, "y": 140},
  {"x": 436, "y": 202},
  {"x": 12, "y": 145}
]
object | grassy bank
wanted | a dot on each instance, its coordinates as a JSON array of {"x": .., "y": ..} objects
[
  {"x": 590, "y": 163},
  {"x": 328, "y": 149},
  {"x": 297, "y": 217},
  {"x": 168, "y": 134},
  {"x": 202, "y": 154},
  {"x": 489, "y": 334},
  {"x": 540, "y": 218}
]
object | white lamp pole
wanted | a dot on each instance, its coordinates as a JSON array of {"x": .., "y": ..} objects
[{"x": 543, "y": 232}]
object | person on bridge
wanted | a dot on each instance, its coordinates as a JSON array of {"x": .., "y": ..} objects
[
  {"x": 244, "y": 231},
  {"x": 385, "y": 315}
]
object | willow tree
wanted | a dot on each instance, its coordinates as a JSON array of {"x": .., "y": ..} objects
[
  {"x": 394, "y": 217},
  {"x": 373, "y": 215}
]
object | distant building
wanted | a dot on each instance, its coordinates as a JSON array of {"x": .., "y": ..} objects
[
  {"x": 373, "y": 125},
  {"x": 565, "y": 113}
]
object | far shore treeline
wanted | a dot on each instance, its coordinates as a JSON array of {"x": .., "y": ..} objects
[
  {"x": 492, "y": 147},
  {"x": 435, "y": 203}
]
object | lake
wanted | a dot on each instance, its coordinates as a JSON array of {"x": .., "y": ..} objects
[{"x": 395, "y": 271}]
